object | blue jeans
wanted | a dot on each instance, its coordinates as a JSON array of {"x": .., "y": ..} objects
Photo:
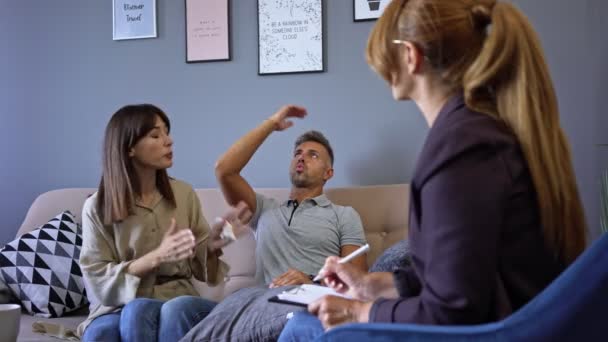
[
  {"x": 145, "y": 319},
  {"x": 302, "y": 327}
]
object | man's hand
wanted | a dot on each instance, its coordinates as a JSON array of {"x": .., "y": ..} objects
[
  {"x": 333, "y": 311},
  {"x": 236, "y": 216},
  {"x": 291, "y": 277},
  {"x": 280, "y": 119}
]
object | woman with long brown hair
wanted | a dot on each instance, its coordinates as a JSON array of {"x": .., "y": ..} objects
[
  {"x": 495, "y": 213},
  {"x": 145, "y": 236}
]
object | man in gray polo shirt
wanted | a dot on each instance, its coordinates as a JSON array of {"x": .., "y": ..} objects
[{"x": 293, "y": 237}]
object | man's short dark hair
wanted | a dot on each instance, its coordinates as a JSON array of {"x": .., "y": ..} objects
[{"x": 317, "y": 137}]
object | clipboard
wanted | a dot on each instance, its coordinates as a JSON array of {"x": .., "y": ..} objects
[
  {"x": 275, "y": 299},
  {"x": 303, "y": 295}
]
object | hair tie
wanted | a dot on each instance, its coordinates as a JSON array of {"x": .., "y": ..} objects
[{"x": 482, "y": 16}]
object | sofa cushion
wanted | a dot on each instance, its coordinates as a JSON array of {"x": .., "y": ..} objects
[
  {"x": 41, "y": 268},
  {"x": 383, "y": 210}
]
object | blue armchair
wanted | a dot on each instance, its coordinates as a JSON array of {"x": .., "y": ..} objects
[{"x": 573, "y": 308}]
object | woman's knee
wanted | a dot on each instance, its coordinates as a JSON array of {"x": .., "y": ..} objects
[
  {"x": 103, "y": 328},
  {"x": 190, "y": 306},
  {"x": 101, "y": 335},
  {"x": 139, "y": 320},
  {"x": 180, "y": 314},
  {"x": 140, "y": 311},
  {"x": 141, "y": 305}
]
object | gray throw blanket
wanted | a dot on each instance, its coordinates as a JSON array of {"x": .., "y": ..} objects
[{"x": 245, "y": 315}]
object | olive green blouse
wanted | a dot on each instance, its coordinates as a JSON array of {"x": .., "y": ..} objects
[{"x": 107, "y": 251}]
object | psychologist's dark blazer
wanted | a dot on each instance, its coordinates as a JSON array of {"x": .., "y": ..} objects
[{"x": 476, "y": 240}]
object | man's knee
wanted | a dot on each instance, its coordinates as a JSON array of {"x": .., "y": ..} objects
[{"x": 301, "y": 327}]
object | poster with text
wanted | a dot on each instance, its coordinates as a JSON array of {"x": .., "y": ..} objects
[
  {"x": 290, "y": 36},
  {"x": 134, "y": 19},
  {"x": 207, "y": 30}
]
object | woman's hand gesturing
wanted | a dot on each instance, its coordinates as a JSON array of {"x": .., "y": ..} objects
[{"x": 177, "y": 244}]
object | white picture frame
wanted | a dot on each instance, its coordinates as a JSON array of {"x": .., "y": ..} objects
[
  {"x": 290, "y": 36},
  {"x": 364, "y": 10},
  {"x": 133, "y": 19}
]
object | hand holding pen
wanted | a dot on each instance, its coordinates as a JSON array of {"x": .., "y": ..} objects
[
  {"x": 344, "y": 277},
  {"x": 351, "y": 256}
]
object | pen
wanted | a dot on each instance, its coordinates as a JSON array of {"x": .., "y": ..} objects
[{"x": 348, "y": 258}]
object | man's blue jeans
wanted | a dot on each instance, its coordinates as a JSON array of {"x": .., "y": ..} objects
[
  {"x": 145, "y": 319},
  {"x": 302, "y": 327}
]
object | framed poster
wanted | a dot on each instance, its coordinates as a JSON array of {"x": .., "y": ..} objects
[
  {"x": 368, "y": 9},
  {"x": 290, "y": 36},
  {"x": 133, "y": 19},
  {"x": 207, "y": 30}
]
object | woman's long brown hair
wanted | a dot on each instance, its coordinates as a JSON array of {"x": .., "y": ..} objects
[
  {"x": 489, "y": 51},
  {"x": 119, "y": 182}
]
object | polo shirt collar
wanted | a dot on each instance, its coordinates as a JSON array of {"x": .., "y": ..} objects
[{"x": 320, "y": 200}]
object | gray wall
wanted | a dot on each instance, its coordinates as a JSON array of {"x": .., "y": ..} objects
[{"x": 62, "y": 76}]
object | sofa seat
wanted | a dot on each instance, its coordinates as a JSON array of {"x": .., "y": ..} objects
[{"x": 383, "y": 210}]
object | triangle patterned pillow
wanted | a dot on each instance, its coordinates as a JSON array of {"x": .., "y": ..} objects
[{"x": 41, "y": 268}]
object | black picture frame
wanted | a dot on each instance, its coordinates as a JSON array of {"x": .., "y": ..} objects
[
  {"x": 278, "y": 53},
  {"x": 192, "y": 43},
  {"x": 368, "y": 10}
]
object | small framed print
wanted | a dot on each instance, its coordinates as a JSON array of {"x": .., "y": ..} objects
[
  {"x": 207, "y": 30},
  {"x": 133, "y": 19},
  {"x": 290, "y": 36},
  {"x": 368, "y": 9}
]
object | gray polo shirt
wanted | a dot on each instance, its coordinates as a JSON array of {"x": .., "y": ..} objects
[{"x": 301, "y": 236}]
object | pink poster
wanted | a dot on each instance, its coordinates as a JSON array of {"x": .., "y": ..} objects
[{"x": 207, "y": 30}]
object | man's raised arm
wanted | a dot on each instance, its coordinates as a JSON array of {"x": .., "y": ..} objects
[{"x": 228, "y": 168}]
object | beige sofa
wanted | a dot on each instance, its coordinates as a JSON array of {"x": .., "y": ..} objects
[{"x": 383, "y": 210}]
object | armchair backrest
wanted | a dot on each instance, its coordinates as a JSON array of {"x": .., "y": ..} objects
[{"x": 573, "y": 307}]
